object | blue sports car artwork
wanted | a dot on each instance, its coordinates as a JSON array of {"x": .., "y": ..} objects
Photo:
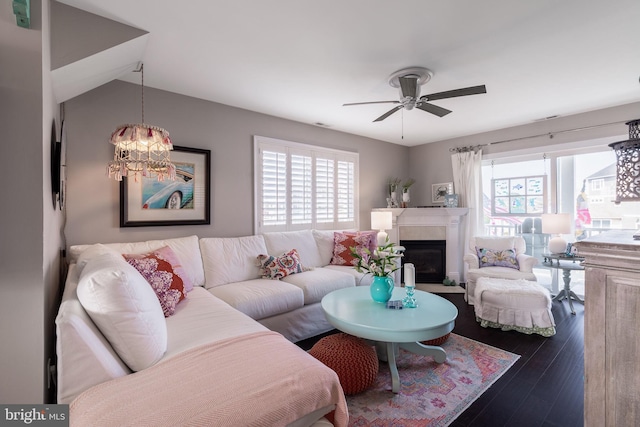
[{"x": 167, "y": 194}]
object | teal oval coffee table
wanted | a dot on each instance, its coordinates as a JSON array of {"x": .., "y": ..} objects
[{"x": 352, "y": 310}]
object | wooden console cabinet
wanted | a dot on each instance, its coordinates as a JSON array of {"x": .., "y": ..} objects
[{"x": 612, "y": 329}]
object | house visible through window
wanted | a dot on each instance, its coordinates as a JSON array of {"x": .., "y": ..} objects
[{"x": 300, "y": 186}]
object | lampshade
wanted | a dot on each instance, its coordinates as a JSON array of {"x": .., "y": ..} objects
[
  {"x": 628, "y": 165},
  {"x": 556, "y": 224},
  {"x": 141, "y": 149},
  {"x": 381, "y": 220}
]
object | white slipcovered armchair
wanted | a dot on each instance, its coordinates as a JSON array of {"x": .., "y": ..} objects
[{"x": 523, "y": 270}]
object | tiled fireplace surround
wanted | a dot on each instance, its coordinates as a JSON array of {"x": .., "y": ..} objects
[{"x": 446, "y": 224}]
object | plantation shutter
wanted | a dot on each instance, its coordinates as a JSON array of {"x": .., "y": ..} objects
[
  {"x": 299, "y": 186},
  {"x": 274, "y": 188},
  {"x": 324, "y": 190},
  {"x": 346, "y": 187},
  {"x": 301, "y": 189}
]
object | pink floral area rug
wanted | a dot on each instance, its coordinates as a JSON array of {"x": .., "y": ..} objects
[{"x": 431, "y": 394}]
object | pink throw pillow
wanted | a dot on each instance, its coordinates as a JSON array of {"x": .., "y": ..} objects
[
  {"x": 158, "y": 269},
  {"x": 344, "y": 241}
]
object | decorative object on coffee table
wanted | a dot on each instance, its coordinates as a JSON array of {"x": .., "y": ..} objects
[
  {"x": 381, "y": 263},
  {"x": 355, "y": 362}
]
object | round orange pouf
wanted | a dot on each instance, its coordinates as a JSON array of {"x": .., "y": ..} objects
[
  {"x": 355, "y": 362},
  {"x": 437, "y": 341}
]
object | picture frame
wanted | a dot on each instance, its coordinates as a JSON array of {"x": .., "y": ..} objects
[
  {"x": 189, "y": 193},
  {"x": 439, "y": 191},
  {"x": 451, "y": 200}
]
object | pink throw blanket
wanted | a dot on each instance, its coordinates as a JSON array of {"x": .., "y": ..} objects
[{"x": 251, "y": 380}]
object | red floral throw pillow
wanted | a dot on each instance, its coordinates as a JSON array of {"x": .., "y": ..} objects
[
  {"x": 343, "y": 241},
  {"x": 272, "y": 267},
  {"x": 157, "y": 269}
]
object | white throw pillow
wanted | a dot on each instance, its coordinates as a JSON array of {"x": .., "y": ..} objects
[{"x": 124, "y": 307}]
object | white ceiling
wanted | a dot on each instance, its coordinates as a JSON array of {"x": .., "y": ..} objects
[{"x": 301, "y": 60}]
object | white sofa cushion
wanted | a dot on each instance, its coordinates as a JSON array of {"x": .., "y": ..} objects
[
  {"x": 126, "y": 310},
  {"x": 260, "y": 298},
  {"x": 324, "y": 240},
  {"x": 362, "y": 279},
  {"x": 317, "y": 283},
  {"x": 231, "y": 259},
  {"x": 303, "y": 241},
  {"x": 187, "y": 250}
]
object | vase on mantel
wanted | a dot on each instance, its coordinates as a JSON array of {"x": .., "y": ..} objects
[{"x": 381, "y": 288}]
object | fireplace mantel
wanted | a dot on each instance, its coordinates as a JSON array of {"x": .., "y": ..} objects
[{"x": 433, "y": 224}]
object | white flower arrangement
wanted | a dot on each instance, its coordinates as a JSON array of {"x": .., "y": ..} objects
[{"x": 381, "y": 262}]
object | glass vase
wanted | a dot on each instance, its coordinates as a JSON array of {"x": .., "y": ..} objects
[{"x": 381, "y": 288}]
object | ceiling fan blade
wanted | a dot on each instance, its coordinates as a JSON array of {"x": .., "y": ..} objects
[
  {"x": 371, "y": 102},
  {"x": 473, "y": 90},
  {"x": 433, "y": 109},
  {"x": 388, "y": 113},
  {"x": 408, "y": 86}
]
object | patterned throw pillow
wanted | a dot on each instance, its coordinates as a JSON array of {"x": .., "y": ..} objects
[
  {"x": 277, "y": 267},
  {"x": 157, "y": 268},
  {"x": 343, "y": 241},
  {"x": 494, "y": 258}
]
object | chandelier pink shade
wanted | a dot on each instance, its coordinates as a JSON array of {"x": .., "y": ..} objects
[{"x": 141, "y": 149}]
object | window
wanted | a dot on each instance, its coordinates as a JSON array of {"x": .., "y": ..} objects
[
  {"x": 300, "y": 186},
  {"x": 522, "y": 196},
  {"x": 597, "y": 184}
]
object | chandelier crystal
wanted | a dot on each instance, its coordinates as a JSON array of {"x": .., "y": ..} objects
[{"x": 141, "y": 149}]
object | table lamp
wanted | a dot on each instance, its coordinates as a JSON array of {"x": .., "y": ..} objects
[
  {"x": 556, "y": 224},
  {"x": 381, "y": 220}
]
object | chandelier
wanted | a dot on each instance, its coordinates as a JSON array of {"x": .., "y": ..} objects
[
  {"x": 628, "y": 165},
  {"x": 141, "y": 149}
]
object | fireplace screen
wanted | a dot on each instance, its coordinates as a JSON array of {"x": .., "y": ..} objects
[{"x": 428, "y": 257}]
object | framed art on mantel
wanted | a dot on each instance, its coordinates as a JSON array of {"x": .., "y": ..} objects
[
  {"x": 146, "y": 202},
  {"x": 438, "y": 191}
]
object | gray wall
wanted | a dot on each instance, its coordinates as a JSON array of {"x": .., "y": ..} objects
[
  {"x": 93, "y": 199},
  {"x": 431, "y": 163},
  {"x": 29, "y": 226}
]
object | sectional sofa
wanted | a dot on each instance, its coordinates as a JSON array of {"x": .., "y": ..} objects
[{"x": 219, "y": 350}]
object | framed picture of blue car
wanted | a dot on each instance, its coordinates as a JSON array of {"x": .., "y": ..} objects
[{"x": 146, "y": 202}]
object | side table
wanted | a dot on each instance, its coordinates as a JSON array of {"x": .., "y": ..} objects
[{"x": 567, "y": 264}]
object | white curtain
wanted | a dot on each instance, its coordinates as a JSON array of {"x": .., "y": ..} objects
[{"x": 467, "y": 181}]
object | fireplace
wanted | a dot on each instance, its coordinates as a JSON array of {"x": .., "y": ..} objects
[{"x": 428, "y": 257}]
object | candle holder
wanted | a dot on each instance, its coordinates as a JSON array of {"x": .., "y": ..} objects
[{"x": 409, "y": 301}]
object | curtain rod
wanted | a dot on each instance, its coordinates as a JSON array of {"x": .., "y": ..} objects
[{"x": 549, "y": 134}]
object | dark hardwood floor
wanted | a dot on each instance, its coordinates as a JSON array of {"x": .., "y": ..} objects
[{"x": 545, "y": 387}]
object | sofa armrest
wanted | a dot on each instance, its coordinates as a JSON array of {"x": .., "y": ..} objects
[
  {"x": 527, "y": 262},
  {"x": 472, "y": 260}
]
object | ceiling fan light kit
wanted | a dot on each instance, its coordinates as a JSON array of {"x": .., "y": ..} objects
[{"x": 409, "y": 80}]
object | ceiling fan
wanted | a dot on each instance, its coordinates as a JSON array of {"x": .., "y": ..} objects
[{"x": 409, "y": 80}]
